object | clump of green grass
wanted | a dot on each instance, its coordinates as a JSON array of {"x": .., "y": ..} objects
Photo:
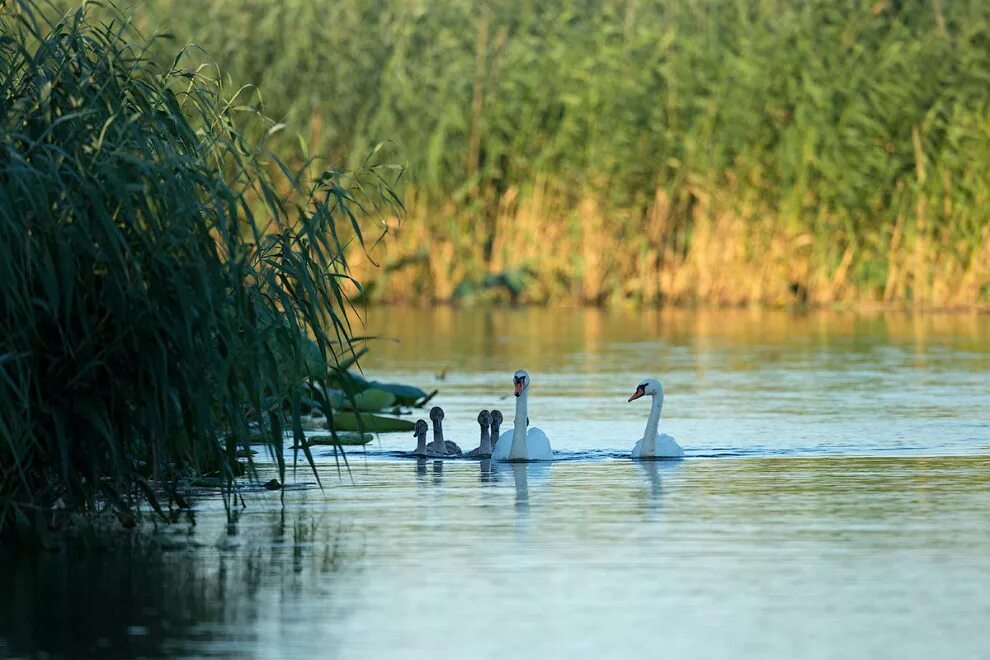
[{"x": 166, "y": 284}]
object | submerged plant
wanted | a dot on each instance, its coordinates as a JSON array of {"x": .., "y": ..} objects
[{"x": 167, "y": 286}]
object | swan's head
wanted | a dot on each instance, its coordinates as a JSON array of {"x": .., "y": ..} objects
[
  {"x": 485, "y": 419},
  {"x": 521, "y": 381},
  {"x": 421, "y": 428},
  {"x": 650, "y": 386},
  {"x": 436, "y": 414},
  {"x": 496, "y": 418}
]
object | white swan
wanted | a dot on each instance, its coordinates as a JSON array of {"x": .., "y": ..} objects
[
  {"x": 520, "y": 443},
  {"x": 654, "y": 446}
]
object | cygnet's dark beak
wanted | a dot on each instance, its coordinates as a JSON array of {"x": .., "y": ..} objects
[
  {"x": 639, "y": 392},
  {"x": 519, "y": 387}
]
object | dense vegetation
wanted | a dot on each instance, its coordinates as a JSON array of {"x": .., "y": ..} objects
[
  {"x": 716, "y": 150},
  {"x": 165, "y": 283}
]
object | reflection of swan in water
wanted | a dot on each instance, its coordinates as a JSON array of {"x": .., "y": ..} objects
[
  {"x": 487, "y": 474},
  {"x": 653, "y": 478},
  {"x": 484, "y": 449},
  {"x": 421, "y": 466},
  {"x": 654, "y": 446},
  {"x": 524, "y": 476},
  {"x": 437, "y": 473},
  {"x": 521, "y": 480},
  {"x": 521, "y": 443},
  {"x": 439, "y": 446}
]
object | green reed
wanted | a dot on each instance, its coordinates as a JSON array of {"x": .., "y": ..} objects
[
  {"x": 853, "y": 133},
  {"x": 167, "y": 284}
]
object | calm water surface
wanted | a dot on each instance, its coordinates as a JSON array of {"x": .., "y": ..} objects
[{"x": 834, "y": 503}]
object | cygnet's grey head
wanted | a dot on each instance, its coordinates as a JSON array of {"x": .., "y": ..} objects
[
  {"x": 485, "y": 419},
  {"x": 496, "y": 418},
  {"x": 436, "y": 414},
  {"x": 650, "y": 386},
  {"x": 520, "y": 380},
  {"x": 421, "y": 428}
]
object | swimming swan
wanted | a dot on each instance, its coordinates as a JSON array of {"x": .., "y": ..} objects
[
  {"x": 484, "y": 450},
  {"x": 520, "y": 443},
  {"x": 654, "y": 446},
  {"x": 496, "y": 424},
  {"x": 419, "y": 432},
  {"x": 439, "y": 446}
]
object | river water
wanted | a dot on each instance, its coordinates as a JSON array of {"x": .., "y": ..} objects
[{"x": 833, "y": 503}]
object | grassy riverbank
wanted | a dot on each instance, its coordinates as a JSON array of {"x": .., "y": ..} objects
[
  {"x": 166, "y": 283},
  {"x": 659, "y": 151}
]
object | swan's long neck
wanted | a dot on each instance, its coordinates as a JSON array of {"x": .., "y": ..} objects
[
  {"x": 652, "y": 424},
  {"x": 421, "y": 443},
  {"x": 486, "y": 440},
  {"x": 438, "y": 433},
  {"x": 518, "y": 448}
]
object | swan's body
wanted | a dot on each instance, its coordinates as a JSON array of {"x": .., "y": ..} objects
[
  {"x": 664, "y": 446},
  {"x": 439, "y": 446},
  {"x": 652, "y": 445},
  {"x": 521, "y": 443},
  {"x": 484, "y": 449}
]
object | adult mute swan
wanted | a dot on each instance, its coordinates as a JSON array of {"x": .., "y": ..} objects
[
  {"x": 654, "y": 446},
  {"x": 439, "y": 446},
  {"x": 520, "y": 443},
  {"x": 484, "y": 449}
]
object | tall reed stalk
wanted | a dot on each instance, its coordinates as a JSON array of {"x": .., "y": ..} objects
[
  {"x": 721, "y": 151},
  {"x": 165, "y": 281}
]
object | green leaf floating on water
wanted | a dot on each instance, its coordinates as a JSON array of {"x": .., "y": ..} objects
[
  {"x": 405, "y": 395},
  {"x": 343, "y": 438},
  {"x": 370, "y": 400},
  {"x": 346, "y": 421}
]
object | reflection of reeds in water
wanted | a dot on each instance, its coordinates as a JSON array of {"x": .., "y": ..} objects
[{"x": 549, "y": 339}]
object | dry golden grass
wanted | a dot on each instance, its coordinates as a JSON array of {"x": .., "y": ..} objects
[{"x": 572, "y": 253}]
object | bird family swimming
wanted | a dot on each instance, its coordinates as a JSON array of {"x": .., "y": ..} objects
[{"x": 523, "y": 443}]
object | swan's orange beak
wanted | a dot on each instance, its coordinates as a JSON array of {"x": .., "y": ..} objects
[
  {"x": 519, "y": 387},
  {"x": 639, "y": 392}
]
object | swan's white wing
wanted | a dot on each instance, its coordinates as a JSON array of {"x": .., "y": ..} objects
[
  {"x": 500, "y": 451},
  {"x": 637, "y": 449},
  {"x": 667, "y": 447},
  {"x": 538, "y": 445}
]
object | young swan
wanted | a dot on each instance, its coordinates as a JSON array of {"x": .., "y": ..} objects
[
  {"x": 484, "y": 450},
  {"x": 439, "y": 446},
  {"x": 496, "y": 424},
  {"x": 419, "y": 432},
  {"x": 654, "y": 446}
]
